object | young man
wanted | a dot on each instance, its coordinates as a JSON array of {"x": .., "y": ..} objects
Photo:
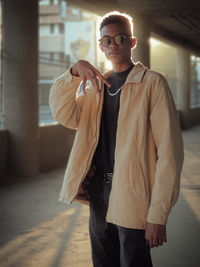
[{"x": 127, "y": 155}]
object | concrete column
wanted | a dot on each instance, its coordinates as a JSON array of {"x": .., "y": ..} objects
[
  {"x": 142, "y": 33},
  {"x": 19, "y": 81},
  {"x": 183, "y": 83}
]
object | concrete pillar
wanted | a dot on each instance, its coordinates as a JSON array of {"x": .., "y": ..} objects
[
  {"x": 183, "y": 84},
  {"x": 142, "y": 33},
  {"x": 19, "y": 81}
]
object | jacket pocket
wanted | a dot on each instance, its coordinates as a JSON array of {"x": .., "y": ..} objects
[{"x": 137, "y": 179}]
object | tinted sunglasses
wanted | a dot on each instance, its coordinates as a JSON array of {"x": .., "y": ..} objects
[{"x": 119, "y": 39}]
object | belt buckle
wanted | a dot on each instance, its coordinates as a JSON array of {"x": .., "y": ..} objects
[{"x": 106, "y": 177}]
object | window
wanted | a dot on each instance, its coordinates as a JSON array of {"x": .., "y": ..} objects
[
  {"x": 195, "y": 81},
  {"x": 44, "y": 30},
  {"x": 164, "y": 60},
  {"x": 61, "y": 28},
  {"x": 58, "y": 48},
  {"x": 44, "y": 2},
  {"x": 52, "y": 28}
]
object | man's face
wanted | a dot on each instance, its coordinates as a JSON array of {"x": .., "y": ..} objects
[{"x": 117, "y": 53}]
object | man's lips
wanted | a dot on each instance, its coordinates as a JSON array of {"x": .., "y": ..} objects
[{"x": 114, "y": 53}]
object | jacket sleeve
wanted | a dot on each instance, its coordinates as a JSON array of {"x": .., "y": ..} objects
[
  {"x": 167, "y": 136},
  {"x": 65, "y": 101}
]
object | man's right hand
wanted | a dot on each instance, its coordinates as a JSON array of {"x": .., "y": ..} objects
[{"x": 87, "y": 71}]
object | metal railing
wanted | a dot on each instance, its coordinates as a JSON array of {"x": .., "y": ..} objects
[
  {"x": 194, "y": 94},
  {"x": 49, "y": 70}
]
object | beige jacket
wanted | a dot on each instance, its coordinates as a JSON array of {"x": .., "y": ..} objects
[{"x": 149, "y": 146}]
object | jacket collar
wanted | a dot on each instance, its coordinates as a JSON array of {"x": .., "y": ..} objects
[{"x": 136, "y": 74}]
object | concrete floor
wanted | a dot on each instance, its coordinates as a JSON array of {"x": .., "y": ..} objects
[{"x": 37, "y": 230}]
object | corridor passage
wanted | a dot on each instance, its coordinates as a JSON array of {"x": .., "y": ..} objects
[{"x": 38, "y": 231}]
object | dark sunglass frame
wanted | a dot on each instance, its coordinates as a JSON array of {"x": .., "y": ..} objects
[{"x": 115, "y": 38}]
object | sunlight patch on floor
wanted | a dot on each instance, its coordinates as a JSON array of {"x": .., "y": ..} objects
[{"x": 61, "y": 241}]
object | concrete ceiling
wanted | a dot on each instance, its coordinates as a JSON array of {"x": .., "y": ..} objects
[{"x": 175, "y": 20}]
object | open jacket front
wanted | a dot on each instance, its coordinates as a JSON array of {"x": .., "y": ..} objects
[{"x": 149, "y": 146}]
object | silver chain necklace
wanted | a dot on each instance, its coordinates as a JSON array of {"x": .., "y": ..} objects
[{"x": 113, "y": 94}]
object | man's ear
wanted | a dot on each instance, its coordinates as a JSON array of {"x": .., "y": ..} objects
[{"x": 133, "y": 42}]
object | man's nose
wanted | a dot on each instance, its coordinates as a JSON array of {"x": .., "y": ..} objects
[{"x": 113, "y": 44}]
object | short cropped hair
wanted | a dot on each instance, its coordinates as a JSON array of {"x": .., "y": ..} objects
[{"x": 117, "y": 18}]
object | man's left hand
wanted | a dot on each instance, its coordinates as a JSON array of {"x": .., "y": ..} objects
[{"x": 155, "y": 234}]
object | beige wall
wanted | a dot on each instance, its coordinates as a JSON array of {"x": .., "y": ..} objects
[
  {"x": 51, "y": 70},
  {"x": 190, "y": 119},
  {"x": 52, "y": 43},
  {"x": 55, "y": 144}
]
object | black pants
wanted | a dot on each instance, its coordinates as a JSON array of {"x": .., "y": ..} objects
[{"x": 112, "y": 245}]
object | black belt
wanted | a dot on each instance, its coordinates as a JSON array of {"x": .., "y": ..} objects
[{"x": 107, "y": 177}]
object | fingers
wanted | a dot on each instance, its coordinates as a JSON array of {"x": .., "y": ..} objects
[
  {"x": 88, "y": 72},
  {"x": 95, "y": 83},
  {"x": 84, "y": 83},
  {"x": 151, "y": 244},
  {"x": 149, "y": 240},
  {"x": 155, "y": 235},
  {"x": 93, "y": 78},
  {"x": 102, "y": 78},
  {"x": 165, "y": 234},
  {"x": 162, "y": 236}
]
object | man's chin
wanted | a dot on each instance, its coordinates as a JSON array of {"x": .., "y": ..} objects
[{"x": 115, "y": 59}]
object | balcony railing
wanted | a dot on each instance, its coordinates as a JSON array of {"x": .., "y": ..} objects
[
  {"x": 49, "y": 69},
  {"x": 49, "y": 9}
]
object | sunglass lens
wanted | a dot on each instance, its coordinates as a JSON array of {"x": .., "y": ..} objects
[
  {"x": 105, "y": 41},
  {"x": 120, "y": 39}
]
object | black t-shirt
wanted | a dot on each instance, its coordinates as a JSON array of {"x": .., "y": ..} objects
[{"x": 104, "y": 155}]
